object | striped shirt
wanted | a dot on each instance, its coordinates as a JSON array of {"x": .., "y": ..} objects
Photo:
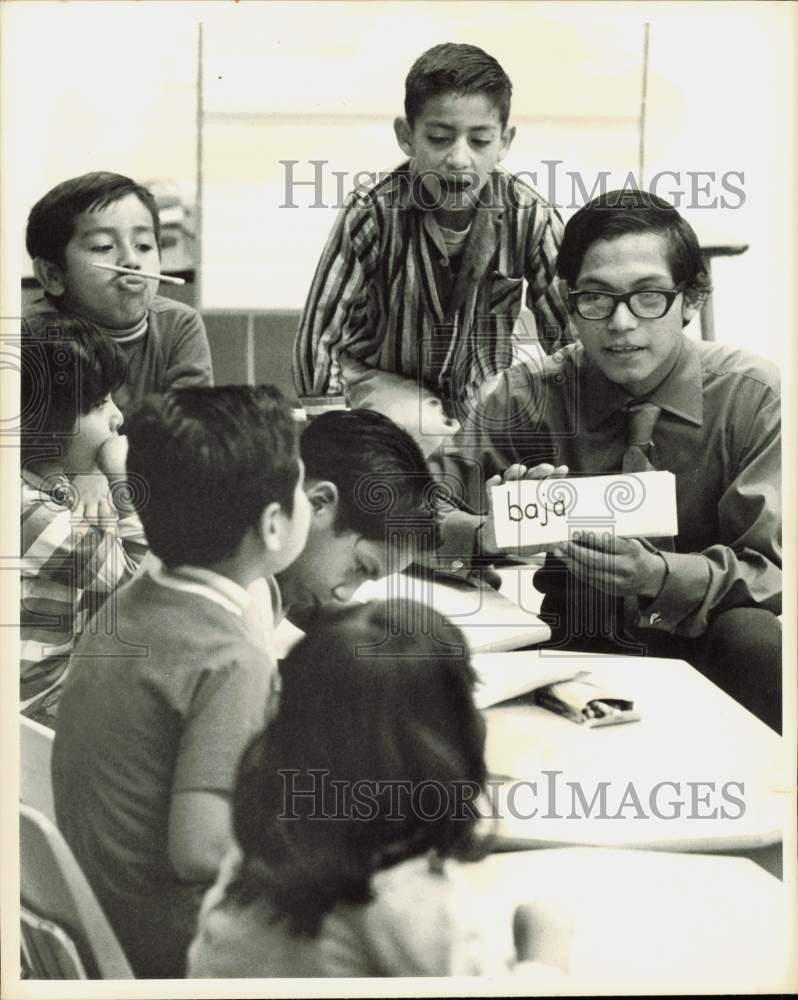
[
  {"x": 387, "y": 293},
  {"x": 68, "y": 569}
]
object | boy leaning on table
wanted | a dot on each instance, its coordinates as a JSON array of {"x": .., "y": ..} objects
[
  {"x": 420, "y": 282},
  {"x": 636, "y": 394},
  {"x": 372, "y": 514}
]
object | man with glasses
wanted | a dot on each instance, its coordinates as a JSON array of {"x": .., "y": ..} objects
[{"x": 636, "y": 394}]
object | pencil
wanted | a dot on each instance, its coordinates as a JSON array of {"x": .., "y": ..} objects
[{"x": 167, "y": 278}]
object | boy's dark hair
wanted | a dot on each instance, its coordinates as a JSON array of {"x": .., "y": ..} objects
[
  {"x": 67, "y": 368},
  {"x": 384, "y": 483},
  {"x": 211, "y": 459},
  {"x": 618, "y": 213},
  {"x": 404, "y": 717},
  {"x": 456, "y": 69},
  {"x": 51, "y": 222}
]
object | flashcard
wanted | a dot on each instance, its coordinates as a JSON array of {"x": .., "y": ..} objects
[{"x": 541, "y": 511}]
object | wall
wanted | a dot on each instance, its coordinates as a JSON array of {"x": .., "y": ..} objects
[{"x": 114, "y": 86}]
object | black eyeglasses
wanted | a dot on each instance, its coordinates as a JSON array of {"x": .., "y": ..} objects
[{"x": 645, "y": 304}]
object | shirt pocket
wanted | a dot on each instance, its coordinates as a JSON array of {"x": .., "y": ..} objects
[{"x": 504, "y": 292}]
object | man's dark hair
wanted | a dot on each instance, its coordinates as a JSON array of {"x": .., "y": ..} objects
[
  {"x": 51, "y": 222},
  {"x": 211, "y": 459},
  {"x": 456, "y": 69},
  {"x": 405, "y": 715},
  {"x": 619, "y": 213},
  {"x": 383, "y": 480},
  {"x": 67, "y": 368}
]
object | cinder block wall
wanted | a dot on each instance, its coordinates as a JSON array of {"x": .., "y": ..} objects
[{"x": 246, "y": 346}]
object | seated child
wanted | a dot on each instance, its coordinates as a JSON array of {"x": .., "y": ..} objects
[
  {"x": 105, "y": 218},
  {"x": 77, "y": 545},
  {"x": 372, "y": 500},
  {"x": 423, "y": 273},
  {"x": 343, "y": 865},
  {"x": 157, "y": 711}
]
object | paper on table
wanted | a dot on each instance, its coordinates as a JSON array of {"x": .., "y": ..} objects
[
  {"x": 490, "y": 621},
  {"x": 541, "y": 511},
  {"x": 503, "y": 676},
  {"x": 487, "y": 619}
]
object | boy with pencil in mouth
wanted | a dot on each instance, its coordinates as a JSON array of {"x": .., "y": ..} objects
[
  {"x": 94, "y": 241},
  {"x": 420, "y": 283}
]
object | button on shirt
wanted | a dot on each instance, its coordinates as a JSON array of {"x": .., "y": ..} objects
[{"x": 719, "y": 432}]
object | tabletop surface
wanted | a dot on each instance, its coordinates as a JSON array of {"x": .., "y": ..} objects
[
  {"x": 621, "y": 921},
  {"x": 718, "y": 777},
  {"x": 718, "y": 758}
]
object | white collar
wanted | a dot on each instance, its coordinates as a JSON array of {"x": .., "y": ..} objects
[{"x": 203, "y": 582}]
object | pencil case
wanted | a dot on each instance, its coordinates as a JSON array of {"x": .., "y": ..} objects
[{"x": 587, "y": 704}]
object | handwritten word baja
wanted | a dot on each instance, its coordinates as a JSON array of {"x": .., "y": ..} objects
[
  {"x": 531, "y": 511},
  {"x": 541, "y": 511}
]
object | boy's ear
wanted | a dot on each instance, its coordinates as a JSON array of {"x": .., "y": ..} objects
[
  {"x": 49, "y": 275},
  {"x": 323, "y": 497},
  {"x": 272, "y": 521},
  {"x": 404, "y": 135},
  {"x": 507, "y": 140}
]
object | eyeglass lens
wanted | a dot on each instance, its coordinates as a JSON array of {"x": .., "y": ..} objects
[{"x": 644, "y": 305}]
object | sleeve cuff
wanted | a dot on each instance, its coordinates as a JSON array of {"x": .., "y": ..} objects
[
  {"x": 682, "y": 593},
  {"x": 458, "y": 548}
]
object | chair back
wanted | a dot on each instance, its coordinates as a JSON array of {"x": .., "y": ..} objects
[
  {"x": 65, "y": 933},
  {"x": 48, "y": 952},
  {"x": 35, "y": 754}
]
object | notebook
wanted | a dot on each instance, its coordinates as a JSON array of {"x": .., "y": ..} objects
[
  {"x": 489, "y": 621},
  {"x": 503, "y": 676}
]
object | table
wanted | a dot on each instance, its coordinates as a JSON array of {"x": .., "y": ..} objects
[
  {"x": 691, "y": 733},
  {"x": 719, "y": 757},
  {"x": 626, "y": 921}
]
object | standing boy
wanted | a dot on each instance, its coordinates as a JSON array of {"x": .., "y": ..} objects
[
  {"x": 422, "y": 274},
  {"x": 636, "y": 394},
  {"x": 105, "y": 218},
  {"x": 157, "y": 711}
]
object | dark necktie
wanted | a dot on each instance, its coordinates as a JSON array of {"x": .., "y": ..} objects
[
  {"x": 638, "y": 458},
  {"x": 639, "y": 449}
]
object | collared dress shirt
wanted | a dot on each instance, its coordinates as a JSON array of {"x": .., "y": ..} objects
[
  {"x": 719, "y": 432},
  {"x": 387, "y": 293}
]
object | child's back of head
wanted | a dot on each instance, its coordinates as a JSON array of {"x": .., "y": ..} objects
[
  {"x": 211, "y": 461},
  {"x": 382, "y": 477},
  {"x": 378, "y": 728}
]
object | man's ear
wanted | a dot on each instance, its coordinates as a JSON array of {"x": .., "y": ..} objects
[
  {"x": 507, "y": 140},
  {"x": 323, "y": 496},
  {"x": 692, "y": 302},
  {"x": 49, "y": 275},
  {"x": 404, "y": 136}
]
